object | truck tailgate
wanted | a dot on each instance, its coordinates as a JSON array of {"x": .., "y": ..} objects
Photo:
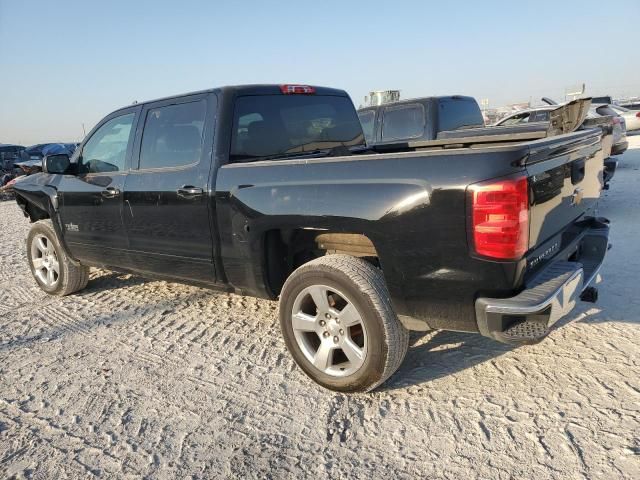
[{"x": 565, "y": 180}]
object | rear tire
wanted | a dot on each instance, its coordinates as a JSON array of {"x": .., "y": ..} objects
[
  {"x": 52, "y": 269},
  {"x": 338, "y": 323}
]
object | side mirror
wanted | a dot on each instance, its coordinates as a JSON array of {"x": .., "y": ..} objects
[{"x": 58, "y": 163}]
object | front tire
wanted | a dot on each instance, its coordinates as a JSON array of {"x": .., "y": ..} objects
[
  {"x": 338, "y": 323},
  {"x": 52, "y": 269}
]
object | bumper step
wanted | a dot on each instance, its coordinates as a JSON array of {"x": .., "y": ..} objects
[
  {"x": 525, "y": 332},
  {"x": 553, "y": 293}
]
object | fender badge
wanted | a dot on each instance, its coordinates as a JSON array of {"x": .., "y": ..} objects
[{"x": 71, "y": 227}]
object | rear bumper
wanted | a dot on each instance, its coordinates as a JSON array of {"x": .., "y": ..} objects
[
  {"x": 550, "y": 295},
  {"x": 619, "y": 148}
]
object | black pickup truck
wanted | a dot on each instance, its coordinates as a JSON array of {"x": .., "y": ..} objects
[
  {"x": 271, "y": 191},
  {"x": 438, "y": 121}
]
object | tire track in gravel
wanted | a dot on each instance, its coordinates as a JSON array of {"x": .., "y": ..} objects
[{"x": 53, "y": 434}]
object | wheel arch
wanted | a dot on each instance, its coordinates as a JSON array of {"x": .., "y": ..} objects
[
  {"x": 284, "y": 250},
  {"x": 42, "y": 203}
]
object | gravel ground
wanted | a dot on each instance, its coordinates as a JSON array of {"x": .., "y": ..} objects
[{"x": 133, "y": 378}]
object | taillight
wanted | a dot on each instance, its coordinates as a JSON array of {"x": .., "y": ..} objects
[
  {"x": 638, "y": 114},
  {"x": 500, "y": 218},
  {"x": 297, "y": 89}
]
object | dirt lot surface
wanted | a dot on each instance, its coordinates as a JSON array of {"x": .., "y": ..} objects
[{"x": 133, "y": 379}]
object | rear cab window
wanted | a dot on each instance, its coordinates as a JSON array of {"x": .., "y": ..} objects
[
  {"x": 268, "y": 126},
  {"x": 458, "y": 112},
  {"x": 403, "y": 122}
]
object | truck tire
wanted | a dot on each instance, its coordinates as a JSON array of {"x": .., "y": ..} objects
[
  {"x": 52, "y": 269},
  {"x": 338, "y": 323}
]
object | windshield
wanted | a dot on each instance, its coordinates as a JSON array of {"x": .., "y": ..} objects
[{"x": 271, "y": 125}]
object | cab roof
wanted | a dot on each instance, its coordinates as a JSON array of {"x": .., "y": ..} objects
[{"x": 239, "y": 90}]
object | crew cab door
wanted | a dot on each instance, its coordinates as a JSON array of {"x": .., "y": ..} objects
[
  {"x": 91, "y": 201},
  {"x": 166, "y": 195}
]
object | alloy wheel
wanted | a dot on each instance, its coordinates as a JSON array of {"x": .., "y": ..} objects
[{"x": 329, "y": 330}]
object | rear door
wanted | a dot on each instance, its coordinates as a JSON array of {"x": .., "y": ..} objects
[
  {"x": 91, "y": 206},
  {"x": 166, "y": 196}
]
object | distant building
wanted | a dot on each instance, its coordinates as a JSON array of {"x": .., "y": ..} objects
[{"x": 380, "y": 97}]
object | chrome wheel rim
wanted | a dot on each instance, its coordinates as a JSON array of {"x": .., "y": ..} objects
[
  {"x": 45, "y": 260},
  {"x": 329, "y": 330}
]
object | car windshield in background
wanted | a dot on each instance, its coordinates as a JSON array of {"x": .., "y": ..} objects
[
  {"x": 458, "y": 113},
  {"x": 272, "y": 125}
]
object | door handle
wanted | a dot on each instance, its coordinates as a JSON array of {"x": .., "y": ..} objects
[
  {"x": 110, "y": 192},
  {"x": 189, "y": 191}
]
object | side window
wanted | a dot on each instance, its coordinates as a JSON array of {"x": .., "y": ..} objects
[
  {"x": 106, "y": 150},
  {"x": 403, "y": 121},
  {"x": 367, "y": 120},
  {"x": 172, "y": 135},
  {"x": 542, "y": 116},
  {"x": 517, "y": 119}
]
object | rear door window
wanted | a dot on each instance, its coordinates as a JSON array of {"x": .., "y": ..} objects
[
  {"x": 458, "y": 112},
  {"x": 172, "y": 135},
  {"x": 272, "y": 125},
  {"x": 367, "y": 120},
  {"x": 403, "y": 122}
]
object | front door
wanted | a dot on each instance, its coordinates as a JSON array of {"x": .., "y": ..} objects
[
  {"x": 166, "y": 198},
  {"x": 91, "y": 206}
]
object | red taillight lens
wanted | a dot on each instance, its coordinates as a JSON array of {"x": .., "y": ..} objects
[
  {"x": 297, "y": 89},
  {"x": 500, "y": 218},
  {"x": 638, "y": 114}
]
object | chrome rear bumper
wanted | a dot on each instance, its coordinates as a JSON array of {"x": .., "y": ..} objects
[{"x": 549, "y": 296}]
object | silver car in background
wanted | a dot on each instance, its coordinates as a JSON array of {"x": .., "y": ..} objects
[
  {"x": 620, "y": 142},
  {"x": 631, "y": 117}
]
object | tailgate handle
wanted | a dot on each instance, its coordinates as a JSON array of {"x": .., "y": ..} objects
[
  {"x": 188, "y": 191},
  {"x": 577, "y": 171}
]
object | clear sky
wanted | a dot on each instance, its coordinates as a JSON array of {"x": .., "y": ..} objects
[{"x": 68, "y": 63}]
